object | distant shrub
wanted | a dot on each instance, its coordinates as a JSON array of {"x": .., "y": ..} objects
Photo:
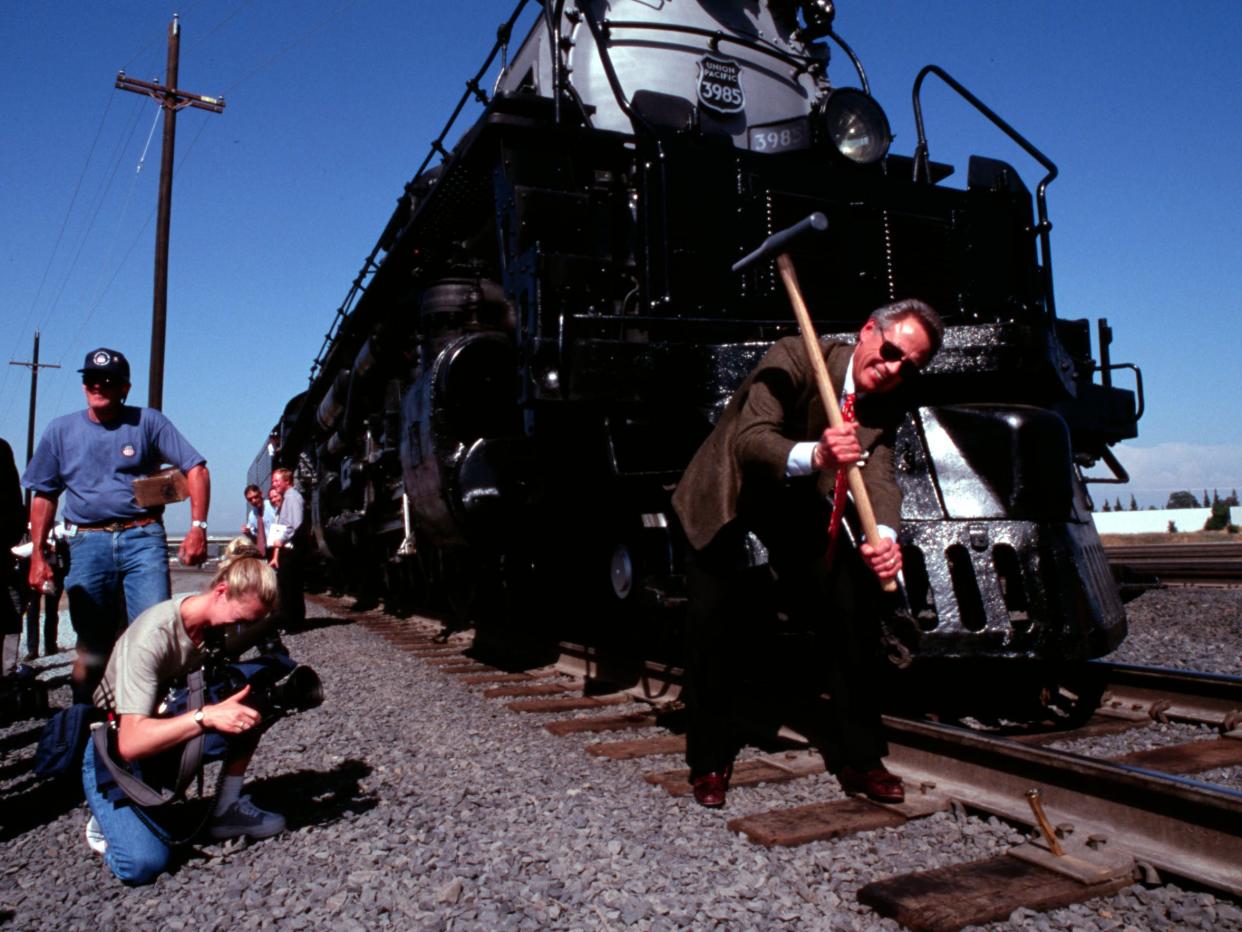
[
  {"x": 1218, "y": 520},
  {"x": 1172, "y": 527}
]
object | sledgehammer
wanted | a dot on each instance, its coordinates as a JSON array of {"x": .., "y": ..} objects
[{"x": 778, "y": 243}]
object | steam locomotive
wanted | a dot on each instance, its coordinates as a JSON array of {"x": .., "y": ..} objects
[{"x": 548, "y": 327}]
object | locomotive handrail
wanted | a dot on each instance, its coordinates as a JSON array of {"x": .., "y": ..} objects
[
  {"x": 369, "y": 265},
  {"x": 553, "y": 19},
  {"x": 1120, "y": 476},
  {"x": 1043, "y": 227},
  {"x": 862, "y": 75},
  {"x": 618, "y": 93},
  {"x": 715, "y": 36},
  {"x": 1138, "y": 383}
]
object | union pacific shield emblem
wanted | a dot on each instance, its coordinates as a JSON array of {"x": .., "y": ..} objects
[{"x": 720, "y": 85}]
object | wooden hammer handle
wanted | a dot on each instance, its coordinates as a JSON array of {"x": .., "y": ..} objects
[{"x": 862, "y": 501}]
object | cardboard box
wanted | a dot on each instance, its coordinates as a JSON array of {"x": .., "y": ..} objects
[{"x": 162, "y": 488}]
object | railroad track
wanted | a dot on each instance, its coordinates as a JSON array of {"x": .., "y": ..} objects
[
  {"x": 1207, "y": 564},
  {"x": 1106, "y": 823}
]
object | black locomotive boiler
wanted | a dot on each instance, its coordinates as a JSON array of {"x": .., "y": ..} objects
[{"x": 548, "y": 326}]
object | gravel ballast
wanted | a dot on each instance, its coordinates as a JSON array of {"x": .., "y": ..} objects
[{"x": 413, "y": 802}]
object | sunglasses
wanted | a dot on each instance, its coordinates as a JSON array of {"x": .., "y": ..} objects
[
  {"x": 101, "y": 381},
  {"x": 891, "y": 352}
]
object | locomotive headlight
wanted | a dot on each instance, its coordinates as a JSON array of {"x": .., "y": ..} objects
[{"x": 856, "y": 125}]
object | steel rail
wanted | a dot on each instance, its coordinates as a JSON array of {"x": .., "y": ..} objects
[
  {"x": 1166, "y": 694},
  {"x": 1181, "y": 827}
]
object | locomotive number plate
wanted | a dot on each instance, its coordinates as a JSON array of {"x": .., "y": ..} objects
[
  {"x": 780, "y": 137},
  {"x": 720, "y": 85}
]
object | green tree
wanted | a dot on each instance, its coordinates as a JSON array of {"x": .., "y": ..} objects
[
  {"x": 1172, "y": 528},
  {"x": 1182, "y": 500},
  {"x": 1133, "y": 502},
  {"x": 1206, "y": 503},
  {"x": 1233, "y": 498},
  {"x": 1107, "y": 508},
  {"x": 1218, "y": 520}
]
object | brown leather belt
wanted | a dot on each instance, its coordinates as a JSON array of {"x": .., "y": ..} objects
[{"x": 115, "y": 526}]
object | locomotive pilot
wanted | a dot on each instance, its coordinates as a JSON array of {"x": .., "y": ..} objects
[{"x": 754, "y": 504}]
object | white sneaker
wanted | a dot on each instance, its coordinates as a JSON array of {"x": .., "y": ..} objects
[
  {"x": 95, "y": 837},
  {"x": 245, "y": 818}
]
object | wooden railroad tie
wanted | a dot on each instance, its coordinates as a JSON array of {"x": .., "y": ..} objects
[
  {"x": 572, "y": 726},
  {"x": 801, "y": 825},
  {"x": 979, "y": 891},
  {"x": 639, "y": 747},
  {"x": 568, "y": 703},
  {"x": 1191, "y": 757},
  {"x": 465, "y": 668},
  {"x": 485, "y": 679},
  {"x": 531, "y": 689},
  {"x": 745, "y": 773}
]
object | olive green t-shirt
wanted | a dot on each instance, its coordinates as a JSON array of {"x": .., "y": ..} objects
[{"x": 152, "y": 651}]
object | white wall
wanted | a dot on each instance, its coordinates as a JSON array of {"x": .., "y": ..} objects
[{"x": 1147, "y": 522}]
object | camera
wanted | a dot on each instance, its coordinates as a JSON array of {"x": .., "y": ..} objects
[{"x": 278, "y": 685}]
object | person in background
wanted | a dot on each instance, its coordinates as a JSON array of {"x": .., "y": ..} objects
[
  {"x": 55, "y": 553},
  {"x": 259, "y": 517},
  {"x": 288, "y": 549},
  {"x": 12, "y": 527},
  {"x": 117, "y": 548}
]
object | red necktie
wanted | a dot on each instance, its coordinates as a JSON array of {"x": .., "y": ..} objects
[{"x": 838, "y": 491}]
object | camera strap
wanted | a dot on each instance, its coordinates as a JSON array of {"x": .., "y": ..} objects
[{"x": 190, "y": 764}]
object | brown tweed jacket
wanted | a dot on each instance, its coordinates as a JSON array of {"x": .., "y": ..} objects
[{"x": 739, "y": 471}]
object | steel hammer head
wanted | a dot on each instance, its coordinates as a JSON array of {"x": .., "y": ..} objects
[{"x": 779, "y": 241}]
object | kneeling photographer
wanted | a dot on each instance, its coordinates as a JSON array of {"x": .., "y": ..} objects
[{"x": 146, "y": 742}]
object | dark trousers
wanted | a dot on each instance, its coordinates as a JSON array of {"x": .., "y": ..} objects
[
  {"x": 730, "y": 604},
  {"x": 51, "y": 622},
  {"x": 289, "y": 583}
]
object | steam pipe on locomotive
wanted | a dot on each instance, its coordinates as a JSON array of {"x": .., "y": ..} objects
[{"x": 547, "y": 328}]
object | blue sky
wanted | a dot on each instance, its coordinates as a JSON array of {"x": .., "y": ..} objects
[{"x": 331, "y": 105}]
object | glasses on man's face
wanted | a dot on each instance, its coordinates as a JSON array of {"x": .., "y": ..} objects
[
  {"x": 891, "y": 352},
  {"x": 102, "y": 381}
]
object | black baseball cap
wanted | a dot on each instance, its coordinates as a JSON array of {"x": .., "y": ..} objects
[{"x": 104, "y": 361}]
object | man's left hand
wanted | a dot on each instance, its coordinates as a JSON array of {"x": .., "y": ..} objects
[
  {"x": 883, "y": 558},
  {"x": 193, "y": 547}
]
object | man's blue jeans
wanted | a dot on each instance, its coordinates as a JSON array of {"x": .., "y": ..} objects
[
  {"x": 102, "y": 566},
  {"x": 137, "y": 852}
]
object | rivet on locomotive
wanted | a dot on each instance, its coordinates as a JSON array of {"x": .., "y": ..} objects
[{"x": 548, "y": 327}]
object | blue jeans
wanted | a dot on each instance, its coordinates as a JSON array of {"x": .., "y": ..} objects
[
  {"x": 137, "y": 852},
  {"x": 102, "y": 565}
]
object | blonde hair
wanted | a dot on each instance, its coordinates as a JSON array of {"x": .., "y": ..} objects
[
  {"x": 244, "y": 572},
  {"x": 286, "y": 474}
]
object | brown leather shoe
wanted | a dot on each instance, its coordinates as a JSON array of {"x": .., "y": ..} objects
[
  {"x": 879, "y": 784},
  {"x": 710, "y": 788}
]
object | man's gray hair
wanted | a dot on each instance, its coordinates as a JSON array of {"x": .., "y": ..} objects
[{"x": 926, "y": 315}]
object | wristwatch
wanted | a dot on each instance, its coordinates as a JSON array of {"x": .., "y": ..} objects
[
  {"x": 202, "y": 524},
  {"x": 198, "y": 719}
]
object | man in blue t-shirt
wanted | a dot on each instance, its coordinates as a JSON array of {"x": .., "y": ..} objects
[{"x": 116, "y": 546}]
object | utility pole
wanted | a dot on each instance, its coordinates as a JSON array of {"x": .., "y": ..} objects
[
  {"x": 34, "y": 365},
  {"x": 171, "y": 99}
]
